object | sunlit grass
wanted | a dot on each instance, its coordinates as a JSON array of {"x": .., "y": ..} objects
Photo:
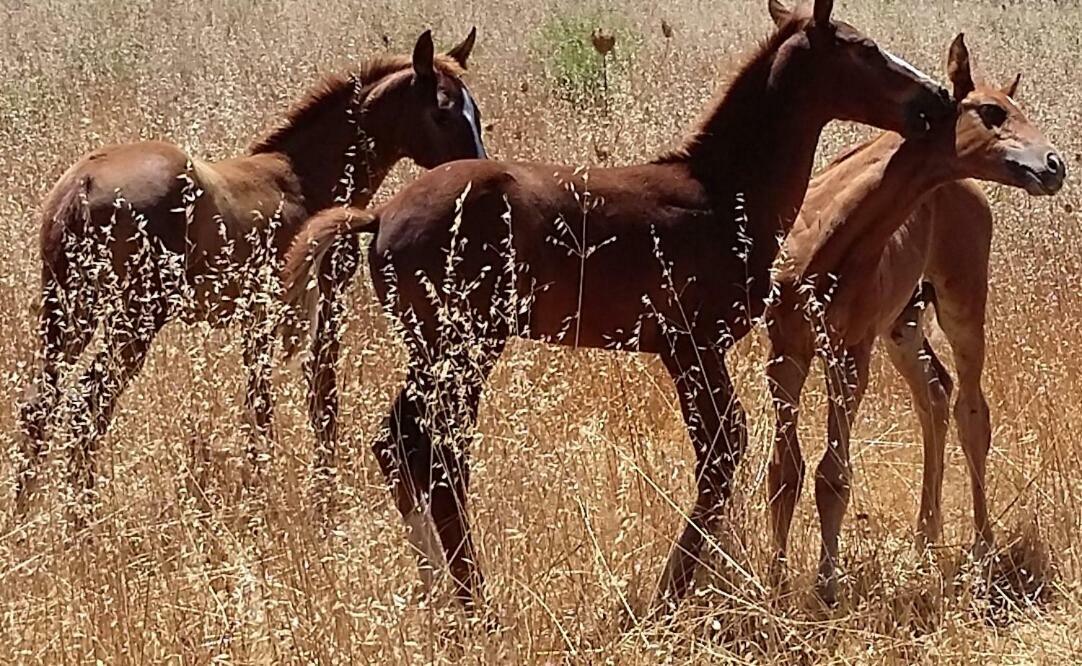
[{"x": 582, "y": 466}]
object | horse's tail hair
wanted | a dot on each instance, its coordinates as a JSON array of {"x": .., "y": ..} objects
[
  {"x": 64, "y": 214},
  {"x": 304, "y": 263}
]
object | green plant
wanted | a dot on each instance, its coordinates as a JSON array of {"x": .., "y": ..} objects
[{"x": 577, "y": 72}]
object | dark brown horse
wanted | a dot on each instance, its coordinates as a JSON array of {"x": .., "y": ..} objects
[
  {"x": 846, "y": 277},
  {"x": 135, "y": 235},
  {"x": 670, "y": 257}
]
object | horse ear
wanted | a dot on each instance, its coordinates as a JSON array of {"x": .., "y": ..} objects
[
  {"x": 958, "y": 68},
  {"x": 423, "y": 55},
  {"x": 461, "y": 52},
  {"x": 779, "y": 12},
  {"x": 822, "y": 11},
  {"x": 1012, "y": 90}
]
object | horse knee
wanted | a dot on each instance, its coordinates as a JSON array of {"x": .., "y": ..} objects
[
  {"x": 832, "y": 482},
  {"x": 786, "y": 472}
]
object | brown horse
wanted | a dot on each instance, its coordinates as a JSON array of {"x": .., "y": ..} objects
[
  {"x": 670, "y": 258},
  {"x": 135, "y": 235},
  {"x": 846, "y": 275}
]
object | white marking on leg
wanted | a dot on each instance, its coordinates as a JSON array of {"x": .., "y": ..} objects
[{"x": 469, "y": 109}]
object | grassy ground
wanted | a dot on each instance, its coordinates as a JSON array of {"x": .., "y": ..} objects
[{"x": 582, "y": 467}]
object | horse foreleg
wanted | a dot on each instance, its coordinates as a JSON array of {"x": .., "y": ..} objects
[{"x": 716, "y": 425}]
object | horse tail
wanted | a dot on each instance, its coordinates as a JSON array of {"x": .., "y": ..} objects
[
  {"x": 309, "y": 252},
  {"x": 927, "y": 293},
  {"x": 64, "y": 215},
  {"x": 66, "y": 313}
]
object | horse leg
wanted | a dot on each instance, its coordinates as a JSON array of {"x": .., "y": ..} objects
[
  {"x": 962, "y": 320},
  {"x": 716, "y": 424},
  {"x": 321, "y": 365},
  {"x": 127, "y": 341},
  {"x": 791, "y": 353},
  {"x": 847, "y": 378},
  {"x": 258, "y": 397},
  {"x": 402, "y": 439},
  {"x": 65, "y": 334},
  {"x": 930, "y": 385},
  {"x": 453, "y": 418}
]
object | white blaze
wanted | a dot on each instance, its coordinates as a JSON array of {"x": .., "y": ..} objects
[
  {"x": 906, "y": 66},
  {"x": 469, "y": 109}
]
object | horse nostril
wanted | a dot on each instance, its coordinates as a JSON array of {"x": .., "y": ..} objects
[{"x": 1055, "y": 164}]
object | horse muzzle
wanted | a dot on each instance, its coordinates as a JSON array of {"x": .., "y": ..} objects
[{"x": 1041, "y": 175}]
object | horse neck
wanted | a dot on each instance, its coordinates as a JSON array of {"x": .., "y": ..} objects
[
  {"x": 758, "y": 145},
  {"x": 341, "y": 156},
  {"x": 865, "y": 199}
]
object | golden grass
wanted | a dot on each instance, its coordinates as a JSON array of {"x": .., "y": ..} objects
[{"x": 582, "y": 468}]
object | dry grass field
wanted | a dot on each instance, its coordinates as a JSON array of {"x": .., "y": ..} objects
[{"x": 582, "y": 465}]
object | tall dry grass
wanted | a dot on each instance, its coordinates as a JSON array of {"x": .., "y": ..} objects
[{"x": 582, "y": 468}]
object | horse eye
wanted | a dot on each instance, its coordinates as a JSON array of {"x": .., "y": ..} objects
[
  {"x": 992, "y": 115},
  {"x": 443, "y": 115}
]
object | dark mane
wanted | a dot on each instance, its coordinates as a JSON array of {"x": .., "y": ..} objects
[
  {"x": 337, "y": 88},
  {"x": 735, "y": 94}
]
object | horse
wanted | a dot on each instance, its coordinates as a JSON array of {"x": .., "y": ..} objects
[
  {"x": 637, "y": 258},
  {"x": 136, "y": 235},
  {"x": 846, "y": 276}
]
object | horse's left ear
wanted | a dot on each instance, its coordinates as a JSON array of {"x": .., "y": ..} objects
[
  {"x": 958, "y": 68},
  {"x": 822, "y": 11},
  {"x": 461, "y": 52},
  {"x": 1012, "y": 90},
  {"x": 423, "y": 54}
]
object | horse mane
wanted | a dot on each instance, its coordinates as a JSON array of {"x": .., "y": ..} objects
[
  {"x": 337, "y": 88},
  {"x": 736, "y": 94}
]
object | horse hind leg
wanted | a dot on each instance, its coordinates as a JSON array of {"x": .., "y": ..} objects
[
  {"x": 423, "y": 454},
  {"x": 321, "y": 364},
  {"x": 67, "y": 323},
  {"x": 791, "y": 352},
  {"x": 930, "y": 386},
  {"x": 962, "y": 320},
  {"x": 125, "y": 346},
  {"x": 847, "y": 378},
  {"x": 402, "y": 439},
  {"x": 259, "y": 399}
]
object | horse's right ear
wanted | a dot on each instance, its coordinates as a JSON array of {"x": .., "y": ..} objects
[
  {"x": 958, "y": 68},
  {"x": 461, "y": 52},
  {"x": 822, "y": 11},
  {"x": 779, "y": 12},
  {"x": 423, "y": 55}
]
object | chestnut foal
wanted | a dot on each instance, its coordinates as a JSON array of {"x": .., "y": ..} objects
[
  {"x": 136, "y": 235},
  {"x": 846, "y": 275},
  {"x": 475, "y": 252}
]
